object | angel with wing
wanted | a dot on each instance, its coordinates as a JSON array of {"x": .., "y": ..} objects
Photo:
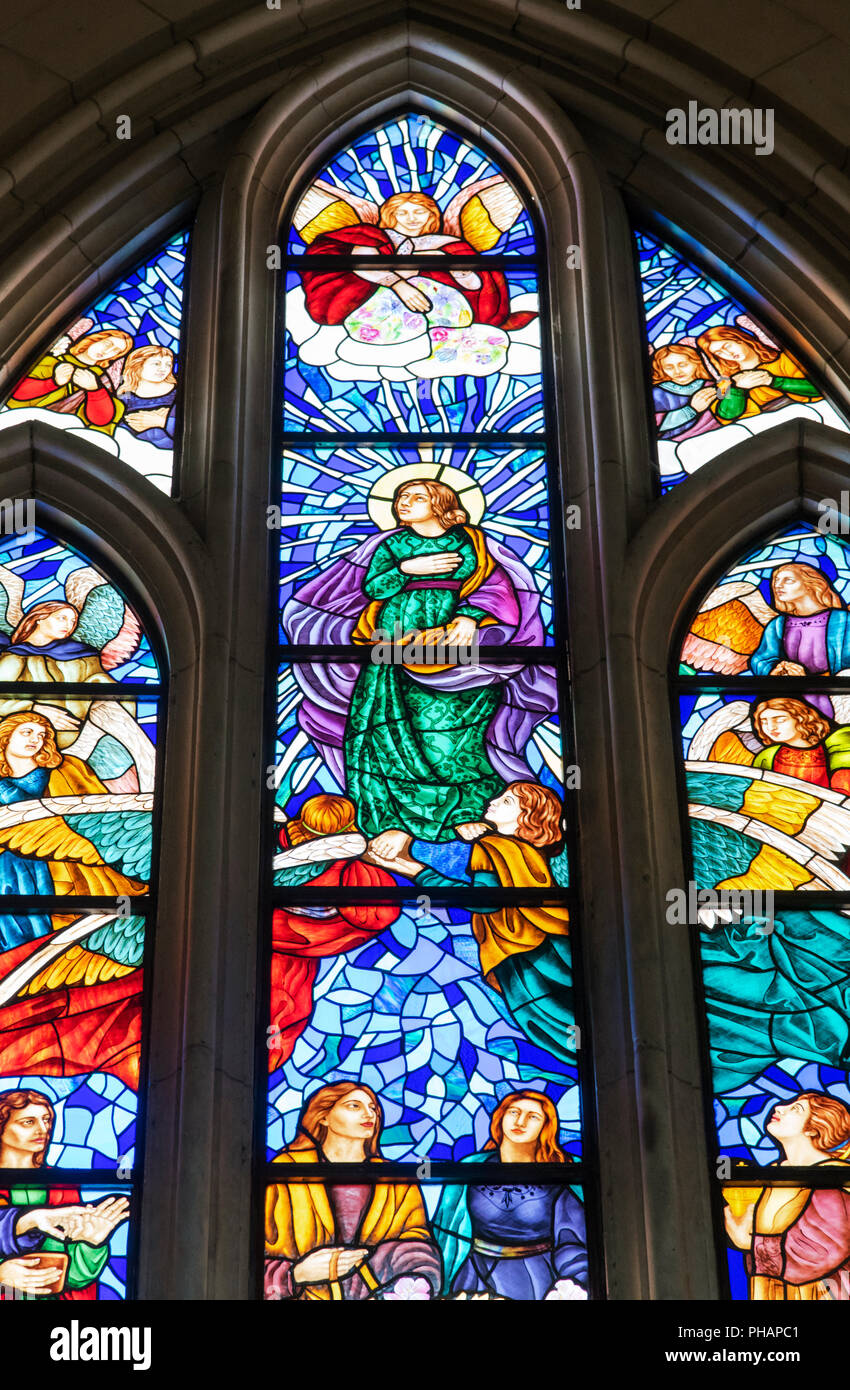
[
  {"x": 805, "y": 632},
  {"x": 83, "y": 639},
  {"x": 427, "y": 324},
  {"x": 61, "y": 830}
]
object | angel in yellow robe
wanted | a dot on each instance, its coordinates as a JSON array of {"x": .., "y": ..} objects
[
  {"x": 331, "y": 1241},
  {"x": 46, "y": 855}
]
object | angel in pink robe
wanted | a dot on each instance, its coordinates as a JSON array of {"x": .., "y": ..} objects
[{"x": 796, "y": 1239}]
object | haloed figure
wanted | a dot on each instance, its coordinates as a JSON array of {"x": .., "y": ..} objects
[
  {"x": 51, "y": 1264},
  {"x": 520, "y": 1240},
  {"x": 415, "y": 744},
  {"x": 332, "y": 1241}
]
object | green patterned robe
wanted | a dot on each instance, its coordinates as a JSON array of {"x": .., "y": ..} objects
[{"x": 415, "y": 756}]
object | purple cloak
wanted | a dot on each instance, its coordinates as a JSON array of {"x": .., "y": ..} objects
[{"x": 326, "y": 611}]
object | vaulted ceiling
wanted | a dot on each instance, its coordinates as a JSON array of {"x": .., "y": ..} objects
[{"x": 192, "y": 76}]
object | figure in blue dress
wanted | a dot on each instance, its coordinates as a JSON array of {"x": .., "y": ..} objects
[
  {"x": 148, "y": 391},
  {"x": 520, "y": 1241}
]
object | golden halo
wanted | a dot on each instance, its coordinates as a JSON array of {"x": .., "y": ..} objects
[{"x": 472, "y": 499}]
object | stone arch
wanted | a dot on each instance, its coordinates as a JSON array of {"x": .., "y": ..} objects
[{"x": 198, "y": 1226}]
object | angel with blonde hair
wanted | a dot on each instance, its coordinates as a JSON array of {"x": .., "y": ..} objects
[{"x": 435, "y": 323}]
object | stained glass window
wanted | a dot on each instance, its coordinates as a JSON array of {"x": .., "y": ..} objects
[
  {"x": 763, "y": 718},
  {"x": 111, "y": 376},
  {"x": 718, "y": 376},
  {"x": 422, "y": 947},
  {"x": 80, "y": 690}
]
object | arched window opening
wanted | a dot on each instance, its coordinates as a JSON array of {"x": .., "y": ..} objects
[
  {"x": 421, "y": 912},
  {"x": 80, "y": 727},
  {"x": 762, "y": 712},
  {"x": 718, "y": 376}
]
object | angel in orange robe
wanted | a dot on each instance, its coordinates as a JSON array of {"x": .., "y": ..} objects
[{"x": 46, "y": 855}]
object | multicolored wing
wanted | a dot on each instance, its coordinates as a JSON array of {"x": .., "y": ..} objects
[
  {"x": 122, "y": 838},
  {"x": 112, "y": 950},
  {"x": 326, "y": 208},
  {"x": 482, "y": 212},
  {"x": 106, "y": 623}
]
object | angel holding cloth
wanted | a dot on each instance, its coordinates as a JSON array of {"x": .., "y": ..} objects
[{"x": 427, "y": 324}]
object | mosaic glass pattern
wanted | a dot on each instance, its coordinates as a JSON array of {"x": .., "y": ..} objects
[
  {"x": 63, "y": 1244},
  {"x": 460, "y": 359},
  {"x": 60, "y": 618},
  {"x": 422, "y": 949},
  {"x": 79, "y": 707},
  {"x": 718, "y": 375},
  {"x": 394, "y": 996},
  {"x": 479, "y": 210},
  {"x": 111, "y": 375},
  {"x": 782, "y": 611},
  {"x": 767, "y": 774},
  {"x": 336, "y": 502}
]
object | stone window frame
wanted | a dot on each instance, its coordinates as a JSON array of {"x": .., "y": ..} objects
[{"x": 634, "y": 569}]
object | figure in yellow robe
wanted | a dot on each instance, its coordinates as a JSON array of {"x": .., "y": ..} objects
[
  {"x": 46, "y": 855},
  {"x": 370, "y": 1239}
]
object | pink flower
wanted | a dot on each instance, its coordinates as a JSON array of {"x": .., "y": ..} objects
[
  {"x": 439, "y": 334},
  {"x": 368, "y": 335},
  {"x": 410, "y": 1290}
]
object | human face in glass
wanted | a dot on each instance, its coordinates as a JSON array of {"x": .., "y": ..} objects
[
  {"x": 522, "y": 1122},
  {"x": 157, "y": 368},
  {"x": 58, "y": 624},
  {"x": 26, "y": 1133},
  {"x": 353, "y": 1117},
  {"x": 679, "y": 368},
  {"x": 414, "y": 504},
  {"x": 411, "y": 218},
  {"x": 26, "y": 741}
]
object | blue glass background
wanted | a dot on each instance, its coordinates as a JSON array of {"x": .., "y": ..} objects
[
  {"x": 501, "y": 402},
  {"x": 45, "y": 564},
  {"x": 324, "y": 513},
  {"x": 409, "y": 1014},
  {"x": 414, "y": 153},
  {"x": 95, "y": 1125}
]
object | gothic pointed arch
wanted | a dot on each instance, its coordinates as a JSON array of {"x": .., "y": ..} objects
[
  {"x": 421, "y": 740},
  {"x": 82, "y": 703}
]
